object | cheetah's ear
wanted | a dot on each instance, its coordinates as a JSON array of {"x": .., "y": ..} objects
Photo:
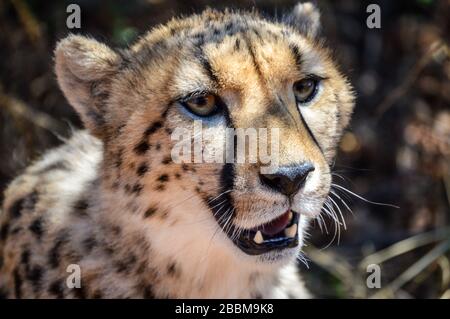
[
  {"x": 84, "y": 68},
  {"x": 305, "y": 17}
]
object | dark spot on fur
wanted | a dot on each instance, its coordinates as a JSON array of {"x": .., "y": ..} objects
[
  {"x": 80, "y": 207},
  {"x": 137, "y": 188},
  {"x": 177, "y": 176},
  {"x": 142, "y": 147},
  {"x": 16, "y": 209},
  {"x": 54, "y": 255},
  {"x": 97, "y": 295},
  {"x": 149, "y": 212},
  {"x": 25, "y": 257},
  {"x": 3, "y": 293},
  {"x": 160, "y": 187},
  {"x": 142, "y": 169},
  {"x": 59, "y": 165},
  {"x": 163, "y": 178},
  {"x": 89, "y": 243},
  {"x": 56, "y": 289},
  {"x": 35, "y": 275},
  {"x": 80, "y": 292},
  {"x": 184, "y": 167},
  {"x": 142, "y": 267},
  {"x": 16, "y": 230},
  {"x": 81, "y": 204},
  {"x": 158, "y": 146},
  {"x": 17, "y": 284},
  {"x": 168, "y": 130},
  {"x": 237, "y": 44},
  {"x": 26, "y": 203},
  {"x": 37, "y": 228},
  {"x": 153, "y": 128},
  {"x": 4, "y": 231},
  {"x": 164, "y": 214},
  {"x": 147, "y": 292},
  {"x": 167, "y": 160},
  {"x": 125, "y": 265},
  {"x": 172, "y": 270},
  {"x": 119, "y": 158}
]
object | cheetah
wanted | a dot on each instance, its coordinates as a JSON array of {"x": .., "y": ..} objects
[{"x": 112, "y": 201}]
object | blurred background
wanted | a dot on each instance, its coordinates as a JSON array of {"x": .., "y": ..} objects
[{"x": 397, "y": 150}]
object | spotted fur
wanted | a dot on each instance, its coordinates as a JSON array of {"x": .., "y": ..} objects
[{"x": 112, "y": 201}]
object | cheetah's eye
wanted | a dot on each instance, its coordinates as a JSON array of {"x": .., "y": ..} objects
[
  {"x": 305, "y": 89},
  {"x": 203, "y": 105}
]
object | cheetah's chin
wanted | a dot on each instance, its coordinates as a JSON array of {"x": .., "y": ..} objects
[{"x": 278, "y": 234}]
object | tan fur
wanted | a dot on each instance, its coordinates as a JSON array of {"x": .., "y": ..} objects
[{"x": 138, "y": 224}]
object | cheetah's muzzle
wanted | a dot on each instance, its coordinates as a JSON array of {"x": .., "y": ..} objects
[{"x": 279, "y": 233}]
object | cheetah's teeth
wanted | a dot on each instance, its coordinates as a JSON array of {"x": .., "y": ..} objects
[
  {"x": 291, "y": 215},
  {"x": 291, "y": 231},
  {"x": 258, "y": 237}
]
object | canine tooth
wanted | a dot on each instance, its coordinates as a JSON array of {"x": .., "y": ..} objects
[
  {"x": 291, "y": 231},
  {"x": 258, "y": 237}
]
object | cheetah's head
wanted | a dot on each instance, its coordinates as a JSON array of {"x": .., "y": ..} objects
[{"x": 227, "y": 70}]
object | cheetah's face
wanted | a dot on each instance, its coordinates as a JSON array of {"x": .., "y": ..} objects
[{"x": 226, "y": 70}]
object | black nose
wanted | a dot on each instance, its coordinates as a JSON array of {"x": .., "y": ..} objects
[{"x": 287, "y": 179}]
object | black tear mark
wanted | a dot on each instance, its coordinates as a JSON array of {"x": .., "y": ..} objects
[{"x": 310, "y": 132}]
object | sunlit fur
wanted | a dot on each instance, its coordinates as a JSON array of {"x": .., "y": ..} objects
[{"x": 157, "y": 216}]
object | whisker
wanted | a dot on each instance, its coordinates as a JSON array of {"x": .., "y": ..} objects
[{"x": 362, "y": 198}]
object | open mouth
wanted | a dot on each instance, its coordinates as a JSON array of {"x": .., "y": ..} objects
[{"x": 279, "y": 233}]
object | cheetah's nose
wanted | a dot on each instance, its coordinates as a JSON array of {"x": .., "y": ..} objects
[{"x": 287, "y": 179}]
